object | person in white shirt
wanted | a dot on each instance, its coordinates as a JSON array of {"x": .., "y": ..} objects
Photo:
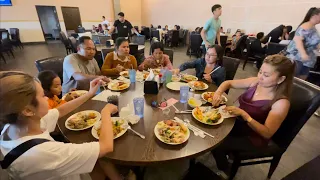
[
  {"x": 104, "y": 21},
  {"x": 24, "y": 111}
]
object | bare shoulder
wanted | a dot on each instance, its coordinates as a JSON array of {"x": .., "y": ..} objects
[{"x": 281, "y": 105}]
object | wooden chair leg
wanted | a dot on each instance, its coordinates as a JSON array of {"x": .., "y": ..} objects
[
  {"x": 234, "y": 168},
  {"x": 274, "y": 163}
]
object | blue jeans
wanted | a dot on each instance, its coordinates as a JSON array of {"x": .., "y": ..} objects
[{"x": 301, "y": 70}]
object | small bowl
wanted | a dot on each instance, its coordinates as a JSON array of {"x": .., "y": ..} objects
[
  {"x": 175, "y": 78},
  {"x": 193, "y": 102}
]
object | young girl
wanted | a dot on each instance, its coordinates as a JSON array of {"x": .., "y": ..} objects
[
  {"x": 24, "y": 111},
  {"x": 51, "y": 84}
]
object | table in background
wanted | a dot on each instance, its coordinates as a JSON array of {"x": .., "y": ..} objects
[{"x": 130, "y": 149}]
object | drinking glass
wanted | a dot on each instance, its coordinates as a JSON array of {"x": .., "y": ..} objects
[
  {"x": 138, "y": 104},
  {"x": 168, "y": 76},
  {"x": 132, "y": 75},
  {"x": 184, "y": 91}
]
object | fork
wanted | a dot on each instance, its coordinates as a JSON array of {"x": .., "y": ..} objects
[{"x": 140, "y": 135}]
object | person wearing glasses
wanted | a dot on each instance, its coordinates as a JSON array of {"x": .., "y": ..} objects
[{"x": 208, "y": 68}]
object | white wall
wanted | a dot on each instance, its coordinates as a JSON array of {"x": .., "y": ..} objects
[{"x": 250, "y": 15}]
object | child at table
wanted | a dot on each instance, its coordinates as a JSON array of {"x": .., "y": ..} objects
[
  {"x": 24, "y": 111},
  {"x": 51, "y": 84}
]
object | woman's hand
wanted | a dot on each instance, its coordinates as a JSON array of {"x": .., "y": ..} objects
[
  {"x": 109, "y": 109},
  {"x": 175, "y": 71},
  {"x": 207, "y": 77},
  {"x": 233, "y": 110},
  {"x": 305, "y": 57},
  {"x": 119, "y": 68},
  {"x": 216, "y": 99},
  {"x": 95, "y": 85}
]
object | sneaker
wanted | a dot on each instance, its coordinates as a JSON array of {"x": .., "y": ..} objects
[
  {"x": 131, "y": 176},
  {"x": 221, "y": 174},
  {"x": 317, "y": 113}
]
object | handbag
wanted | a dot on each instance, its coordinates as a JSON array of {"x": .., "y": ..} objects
[{"x": 19, "y": 150}]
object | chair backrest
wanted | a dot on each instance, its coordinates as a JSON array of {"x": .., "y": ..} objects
[
  {"x": 175, "y": 37},
  {"x": 133, "y": 49},
  {"x": 181, "y": 33},
  {"x": 15, "y": 33},
  {"x": 169, "y": 52},
  {"x": 54, "y": 64},
  {"x": 104, "y": 53},
  {"x": 223, "y": 41},
  {"x": 156, "y": 34},
  {"x": 241, "y": 44},
  {"x": 63, "y": 38},
  {"x": 304, "y": 101},
  {"x": 140, "y": 40},
  {"x": 103, "y": 39},
  {"x": 231, "y": 65},
  {"x": 81, "y": 30},
  {"x": 275, "y": 48},
  {"x": 195, "y": 42},
  {"x": 73, "y": 43},
  {"x": 185, "y": 36},
  {"x": 95, "y": 39},
  {"x": 114, "y": 36},
  {"x": 4, "y": 35}
]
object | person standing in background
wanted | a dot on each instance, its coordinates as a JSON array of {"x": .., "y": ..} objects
[
  {"x": 211, "y": 29},
  {"x": 305, "y": 41},
  {"x": 123, "y": 26},
  {"x": 104, "y": 21}
]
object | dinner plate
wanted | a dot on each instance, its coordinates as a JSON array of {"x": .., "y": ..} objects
[
  {"x": 98, "y": 117},
  {"x": 156, "y": 71},
  {"x": 176, "y": 85},
  {"x": 194, "y": 78},
  {"x": 79, "y": 92},
  {"x": 111, "y": 83},
  {"x": 124, "y": 74},
  {"x": 94, "y": 131},
  {"x": 202, "y": 95},
  {"x": 196, "y": 88},
  {"x": 156, "y": 132},
  {"x": 212, "y": 124}
]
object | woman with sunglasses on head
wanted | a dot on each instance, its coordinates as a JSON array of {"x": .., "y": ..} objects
[
  {"x": 306, "y": 40},
  {"x": 25, "y": 113},
  {"x": 263, "y": 107},
  {"x": 209, "y": 67}
]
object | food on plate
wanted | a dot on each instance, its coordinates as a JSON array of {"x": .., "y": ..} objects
[
  {"x": 209, "y": 116},
  {"x": 198, "y": 84},
  {"x": 175, "y": 78},
  {"x": 189, "y": 78},
  {"x": 119, "y": 85},
  {"x": 145, "y": 75},
  {"x": 194, "y": 102},
  {"x": 209, "y": 95},
  {"x": 125, "y": 73},
  {"x": 156, "y": 71},
  {"x": 172, "y": 132},
  {"x": 82, "y": 120},
  {"x": 116, "y": 127},
  {"x": 73, "y": 95}
]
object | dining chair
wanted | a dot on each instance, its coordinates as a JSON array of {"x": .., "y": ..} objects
[
  {"x": 169, "y": 52},
  {"x": 6, "y": 46},
  {"x": 275, "y": 48},
  {"x": 195, "y": 44},
  {"x": 104, "y": 52},
  {"x": 65, "y": 42},
  {"x": 238, "y": 52},
  {"x": 133, "y": 49},
  {"x": 304, "y": 101},
  {"x": 73, "y": 43},
  {"x": 155, "y": 34},
  {"x": 54, "y": 64},
  {"x": 175, "y": 38},
  {"x": 252, "y": 55},
  {"x": 140, "y": 40},
  {"x": 231, "y": 66},
  {"x": 15, "y": 37}
]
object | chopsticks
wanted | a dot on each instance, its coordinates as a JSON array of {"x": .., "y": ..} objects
[{"x": 215, "y": 69}]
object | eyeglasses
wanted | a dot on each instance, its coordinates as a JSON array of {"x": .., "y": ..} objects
[{"x": 211, "y": 55}]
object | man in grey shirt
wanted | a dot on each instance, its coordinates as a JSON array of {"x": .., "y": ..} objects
[{"x": 81, "y": 67}]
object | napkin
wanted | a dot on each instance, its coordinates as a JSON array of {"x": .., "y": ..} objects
[
  {"x": 170, "y": 102},
  {"x": 224, "y": 113},
  {"x": 151, "y": 76},
  {"x": 103, "y": 96}
]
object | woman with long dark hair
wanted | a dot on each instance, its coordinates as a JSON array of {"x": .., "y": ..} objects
[{"x": 305, "y": 41}]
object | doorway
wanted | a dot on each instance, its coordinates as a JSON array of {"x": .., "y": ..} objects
[
  {"x": 71, "y": 17},
  {"x": 49, "y": 22}
]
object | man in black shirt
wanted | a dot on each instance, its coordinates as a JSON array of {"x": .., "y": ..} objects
[{"x": 123, "y": 26}]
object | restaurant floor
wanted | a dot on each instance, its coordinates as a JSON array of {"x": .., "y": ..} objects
[{"x": 304, "y": 147}]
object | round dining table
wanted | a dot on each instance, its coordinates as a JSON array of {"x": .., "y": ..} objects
[{"x": 130, "y": 149}]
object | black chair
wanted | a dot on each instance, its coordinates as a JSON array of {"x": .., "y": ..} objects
[
  {"x": 231, "y": 66},
  {"x": 133, "y": 49},
  {"x": 185, "y": 34},
  {"x": 275, "y": 48},
  {"x": 304, "y": 102},
  {"x": 15, "y": 37},
  {"x": 65, "y": 41},
  {"x": 223, "y": 41},
  {"x": 146, "y": 32},
  {"x": 156, "y": 34},
  {"x": 114, "y": 36},
  {"x": 175, "y": 38},
  {"x": 81, "y": 30},
  {"x": 169, "y": 52},
  {"x": 6, "y": 46},
  {"x": 140, "y": 40},
  {"x": 54, "y": 64},
  {"x": 73, "y": 43},
  {"x": 240, "y": 46},
  {"x": 104, "y": 53},
  {"x": 251, "y": 55},
  {"x": 195, "y": 45}
]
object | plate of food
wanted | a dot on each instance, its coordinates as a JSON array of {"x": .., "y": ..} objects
[
  {"x": 207, "y": 96},
  {"x": 73, "y": 95},
  {"x": 175, "y": 78},
  {"x": 198, "y": 85},
  {"x": 175, "y": 86},
  {"x": 207, "y": 115},
  {"x": 118, "y": 85},
  {"x": 188, "y": 78},
  {"x": 119, "y": 127},
  {"x": 156, "y": 71},
  {"x": 145, "y": 75},
  {"x": 171, "y": 132},
  {"x": 124, "y": 74},
  {"x": 82, "y": 120}
]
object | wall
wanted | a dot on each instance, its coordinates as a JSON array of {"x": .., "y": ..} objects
[
  {"x": 251, "y": 15},
  {"x": 23, "y": 15},
  {"x": 132, "y": 11}
]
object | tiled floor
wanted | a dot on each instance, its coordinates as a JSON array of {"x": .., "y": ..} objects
[{"x": 305, "y": 146}]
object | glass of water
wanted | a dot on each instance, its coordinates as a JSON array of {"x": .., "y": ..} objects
[
  {"x": 138, "y": 104},
  {"x": 132, "y": 75},
  {"x": 184, "y": 91}
]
